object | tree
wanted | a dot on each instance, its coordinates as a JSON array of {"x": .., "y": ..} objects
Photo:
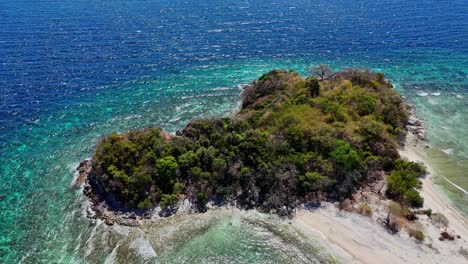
[
  {"x": 168, "y": 201},
  {"x": 311, "y": 181},
  {"x": 322, "y": 71},
  {"x": 168, "y": 204},
  {"x": 188, "y": 160},
  {"x": 313, "y": 86},
  {"x": 344, "y": 155},
  {"x": 166, "y": 171},
  {"x": 400, "y": 181},
  {"x": 413, "y": 198}
]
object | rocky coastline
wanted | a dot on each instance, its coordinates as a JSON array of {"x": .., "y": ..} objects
[
  {"x": 372, "y": 193},
  {"x": 271, "y": 92},
  {"x": 443, "y": 236},
  {"x": 95, "y": 208}
]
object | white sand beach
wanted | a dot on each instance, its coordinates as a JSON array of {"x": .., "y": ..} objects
[{"x": 362, "y": 239}]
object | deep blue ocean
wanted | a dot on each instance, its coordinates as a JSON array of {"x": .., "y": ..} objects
[{"x": 72, "y": 71}]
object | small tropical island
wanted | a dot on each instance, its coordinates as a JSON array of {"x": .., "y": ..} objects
[{"x": 295, "y": 142}]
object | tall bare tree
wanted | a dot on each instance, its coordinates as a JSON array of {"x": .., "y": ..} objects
[{"x": 322, "y": 71}]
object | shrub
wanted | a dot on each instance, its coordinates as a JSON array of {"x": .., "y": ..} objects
[
  {"x": 202, "y": 197},
  {"x": 416, "y": 169},
  {"x": 344, "y": 155},
  {"x": 296, "y": 138},
  {"x": 408, "y": 214},
  {"x": 178, "y": 187},
  {"x": 365, "y": 209},
  {"x": 168, "y": 201},
  {"x": 413, "y": 198},
  {"x": 199, "y": 174},
  {"x": 119, "y": 175},
  {"x": 145, "y": 204},
  {"x": 313, "y": 86},
  {"x": 417, "y": 234},
  {"x": 166, "y": 171},
  {"x": 334, "y": 109},
  {"x": 366, "y": 104},
  {"x": 427, "y": 212},
  {"x": 311, "y": 181},
  {"x": 188, "y": 160},
  {"x": 399, "y": 182}
]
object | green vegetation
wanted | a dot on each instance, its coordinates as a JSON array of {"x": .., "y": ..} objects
[
  {"x": 344, "y": 155},
  {"x": 403, "y": 181},
  {"x": 427, "y": 212},
  {"x": 314, "y": 87},
  {"x": 168, "y": 200},
  {"x": 413, "y": 198},
  {"x": 417, "y": 234},
  {"x": 364, "y": 209},
  {"x": 295, "y": 139}
]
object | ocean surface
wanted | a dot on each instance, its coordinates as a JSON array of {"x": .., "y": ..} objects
[{"x": 72, "y": 71}]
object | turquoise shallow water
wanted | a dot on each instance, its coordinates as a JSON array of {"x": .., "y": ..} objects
[
  {"x": 219, "y": 236},
  {"x": 43, "y": 163},
  {"x": 71, "y": 72}
]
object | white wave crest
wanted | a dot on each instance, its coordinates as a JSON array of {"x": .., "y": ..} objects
[
  {"x": 144, "y": 248},
  {"x": 456, "y": 186},
  {"x": 175, "y": 119},
  {"x": 448, "y": 151},
  {"x": 132, "y": 117}
]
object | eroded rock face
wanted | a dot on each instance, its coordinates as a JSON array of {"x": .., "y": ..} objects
[
  {"x": 83, "y": 169},
  {"x": 416, "y": 127},
  {"x": 98, "y": 209}
]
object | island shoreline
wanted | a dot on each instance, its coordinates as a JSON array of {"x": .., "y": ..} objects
[
  {"x": 328, "y": 218},
  {"x": 357, "y": 246}
]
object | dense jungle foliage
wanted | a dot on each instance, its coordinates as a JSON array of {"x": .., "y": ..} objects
[{"x": 294, "y": 139}]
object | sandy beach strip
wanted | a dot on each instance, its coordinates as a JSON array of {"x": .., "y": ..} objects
[{"x": 361, "y": 239}]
